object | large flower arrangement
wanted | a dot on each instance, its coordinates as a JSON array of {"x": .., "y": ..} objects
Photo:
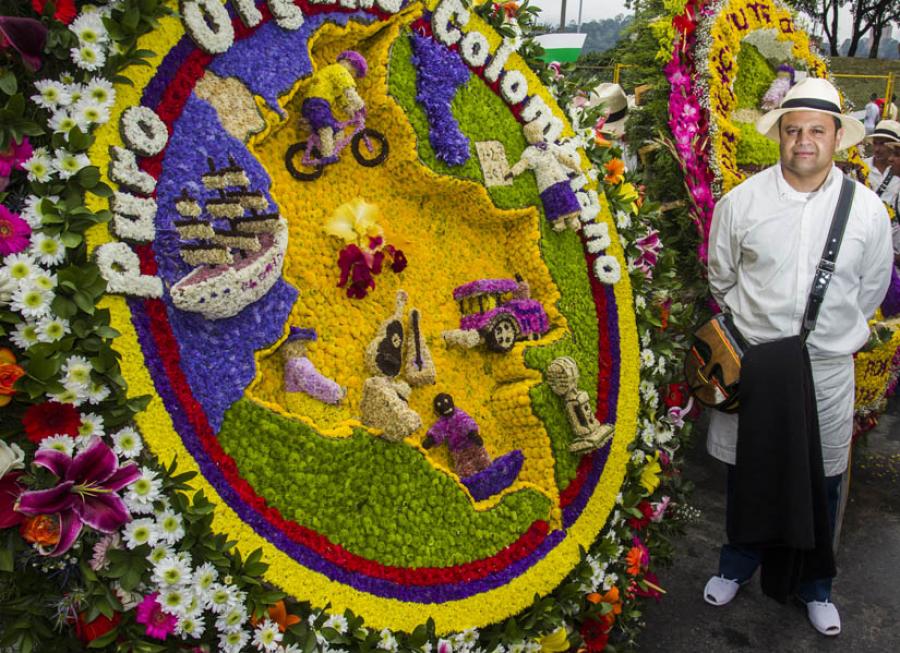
[{"x": 132, "y": 553}]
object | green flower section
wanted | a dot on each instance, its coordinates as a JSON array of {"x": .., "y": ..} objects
[
  {"x": 483, "y": 116},
  {"x": 755, "y": 75},
  {"x": 753, "y": 148},
  {"x": 379, "y": 500}
]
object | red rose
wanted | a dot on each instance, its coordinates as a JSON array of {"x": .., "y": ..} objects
[
  {"x": 87, "y": 632},
  {"x": 647, "y": 512},
  {"x": 64, "y": 9},
  {"x": 42, "y": 530},
  {"x": 50, "y": 418},
  {"x": 675, "y": 395}
]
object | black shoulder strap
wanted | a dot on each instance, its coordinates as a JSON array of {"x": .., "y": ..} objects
[
  {"x": 825, "y": 269},
  {"x": 884, "y": 182}
]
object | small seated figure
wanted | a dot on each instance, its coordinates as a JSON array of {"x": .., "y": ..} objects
[
  {"x": 385, "y": 398},
  {"x": 549, "y": 162},
  {"x": 332, "y": 85},
  {"x": 562, "y": 377},
  {"x": 459, "y": 431},
  {"x": 300, "y": 375}
]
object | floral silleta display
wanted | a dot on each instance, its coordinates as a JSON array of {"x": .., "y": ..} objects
[{"x": 221, "y": 266}]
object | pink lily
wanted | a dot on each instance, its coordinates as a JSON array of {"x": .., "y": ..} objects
[
  {"x": 650, "y": 247},
  {"x": 24, "y": 35},
  {"x": 86, "y": 494}
]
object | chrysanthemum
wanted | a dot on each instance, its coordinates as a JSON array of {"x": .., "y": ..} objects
[
  {"x": 336, "y": 622},
  {"x": 89, "y": 29},
  {"x": 171, "y": 527},
  {"x": 32, "y": 212},
  {"x": 171, "y": 571},
  {"x": 191, "y": 626},
  {"x": 31, "y": 302},
  {"x": 127, "y": 443},
  {"x": 233, "y": 642},
  {"x": 266, "y": 637},
  {"x": 140, "y": 531},
  {"x": 97, "y": 392},
  {"x": 43, "y": 280},
  {"x": 48, "y": 249},
  {"x": 143, "y": 492},
  {"x": 25, "y": 335},
  {"x": 101, "y": 91},
  {"x": 204, "y": 577},
  {"x": 51, "y": 94},
  {"x": 232, "y": 619},
  {"x": 220, "y": 597},
  {"x": 88, "y": 56},
  {"x": 39, "y": 166},
  {"x": 158, "y": 552},
  {"x": 62, "y": 443},
  {"x": 51, "y": 328},
  {"x": 76, "y": 91},
  {"x": 20, "y": 267},
  {"x": 68, "y": 163},
  {"x": 67, "y": 396},
  {"x": 90, "y": 112},
  {"x": 91, "y": 426},
  {"x": 63, "y": 121},
  {"x": 77, "y": 371}
]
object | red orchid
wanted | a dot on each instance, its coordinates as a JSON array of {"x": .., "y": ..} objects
[{"x": 86, "y": 494}]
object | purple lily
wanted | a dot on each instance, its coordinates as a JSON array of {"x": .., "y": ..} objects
[
  {"x": 26, "y": 36},
  {"x": 86, "y": 494}
]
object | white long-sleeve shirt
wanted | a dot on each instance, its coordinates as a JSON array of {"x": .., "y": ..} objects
[
  {"x": 876, "y": 176},
  {"x": 765, "y": 242}
]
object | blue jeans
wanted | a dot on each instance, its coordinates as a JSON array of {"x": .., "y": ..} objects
[{"x": 739, "y": 563}]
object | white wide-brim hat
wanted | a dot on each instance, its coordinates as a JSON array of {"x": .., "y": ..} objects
[
  {"x": 612, "y": 97},
  {"x": 889, "y": 130},
  {"x": 813, "y": 94}
]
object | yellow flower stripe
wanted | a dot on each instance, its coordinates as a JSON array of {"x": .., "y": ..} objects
[{"x": 162, "y": 439}]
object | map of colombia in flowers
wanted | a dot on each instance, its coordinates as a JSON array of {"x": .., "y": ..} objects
[{"x": 344, "y": 515}]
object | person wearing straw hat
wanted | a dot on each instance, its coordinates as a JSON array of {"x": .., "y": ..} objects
[
  {"x": 882, "y": 179},
  {"x": 616, "y": 104},
  {"x": 766, "y": 239}
]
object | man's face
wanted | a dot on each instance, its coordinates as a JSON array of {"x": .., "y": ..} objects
[
  {"x": 894, "y": 159},
  {"x": 808, "y": 141},
  {"x": 880, "y": 150}
]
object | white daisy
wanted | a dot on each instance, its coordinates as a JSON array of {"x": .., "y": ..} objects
[
  {"x": 62, "y": 443},
  {"x": 32, "y": 212},
  {"x": 171, "y": 572},
  {"x": 88, "y": 56},
  {"x": 101, "y": 91},
  {"x": 158, "y": 552},
  {"x": 39, "y": 166},
  {"x": 47, "y": 249},
  {"x": 77, "y": 372},
  {"x": 97, "y": 392},
  {"x": 127, "y": 443},
  {"x": 387, "y": 641},
  {"x": 174, "y": 600},
  {"x": 51, "y": 94},
  {"x": 31, "y": 301},
  {"x": 63, "y": 121},
  {"x": 204, "y": 577},
  {"x": 43, "y": 280},
  {"x": 76, "y": 91},
  {"x": 232, "y": 619},
  {"x": 91, "y": 426},
  {"x": 336, "y": 622},
  {"x": 292, "y": 648},
  {"x": 143, "y": 492},
  {"x": 266, "y": 637},
  {"x": 51, "y": 328},
  {"x": 89, "y": 29},
  {"x": 68, "y": 163},
  {"x": 190, "y": 626},
  {"x": 20, "y": 267},
  {"x": 648, "y": 359},
  {"x": 67, "y": 396},
  {"x": 221, "y": 597},
  {"x": 140, "y": 531},
  {"x": 8, "y": 286},
  {"x": 90, "y": 112},
  {"x": 171, "y": 527},
  {"x": 233, "y": 642}
]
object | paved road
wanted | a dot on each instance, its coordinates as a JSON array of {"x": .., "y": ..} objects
[{"x": 867, "y": 589}]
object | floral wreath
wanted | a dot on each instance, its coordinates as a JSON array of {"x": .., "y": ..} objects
[{"x": 149, "y": 559}]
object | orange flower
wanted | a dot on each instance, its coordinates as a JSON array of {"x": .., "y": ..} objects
[
  {"x": 600, "y": 140},
  {"x": 42, "y": 530},
  {"x": 611, "y": 597},
  {"x": 9, "y": 374},
  {"x": 633, "y": 559},
  {"x": 615, "y": 172},
  {"x": 279, "y": 614}
]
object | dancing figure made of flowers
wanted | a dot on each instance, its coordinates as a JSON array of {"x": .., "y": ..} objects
[
  {"x": 587, "y": 432},
  {"x": 549, "y": 161},
  {"x": 459, "y": 431},
  {"x": 334, "y": 86},
  {"x": 301, "y": 375}
]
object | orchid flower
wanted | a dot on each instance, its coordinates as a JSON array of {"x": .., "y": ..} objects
[{"x": 86, "y": 494}]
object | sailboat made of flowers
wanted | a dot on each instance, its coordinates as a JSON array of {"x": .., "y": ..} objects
[{"x": 236, "y": 265}]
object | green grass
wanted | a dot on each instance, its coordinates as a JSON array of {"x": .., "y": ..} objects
[{"x": 859, "y": 90}]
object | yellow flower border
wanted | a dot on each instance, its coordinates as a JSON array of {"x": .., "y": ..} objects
[{"x": 158, "y": 430}]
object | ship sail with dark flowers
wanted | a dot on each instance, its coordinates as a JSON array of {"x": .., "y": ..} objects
[{"x": 234, "y": 243}]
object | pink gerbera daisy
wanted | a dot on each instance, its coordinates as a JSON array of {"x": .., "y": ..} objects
[
  {"x": 14, "y": 232},
  {"x": 14, "y": 156},
  {"x": 159, "y": 624}
]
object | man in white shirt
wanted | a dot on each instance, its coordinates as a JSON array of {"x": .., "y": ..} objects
[
  {"x": 882, "y": 178},
  {"x": 766, "y": 239},
  {"x": 873, "y": 113}
]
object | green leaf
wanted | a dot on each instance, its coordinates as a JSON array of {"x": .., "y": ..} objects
[
  {"x": 6, "y": 559},
  {"x": 71, "y": 239},
  {"x": 8, "y": 83}
]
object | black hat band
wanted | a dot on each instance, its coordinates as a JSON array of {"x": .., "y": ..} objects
[{"x": 810, "y": 103}]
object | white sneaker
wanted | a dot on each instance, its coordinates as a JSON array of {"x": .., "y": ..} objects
[
  {"x": 720, "y": 590},
  {"x": 824, "y": 617}
]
